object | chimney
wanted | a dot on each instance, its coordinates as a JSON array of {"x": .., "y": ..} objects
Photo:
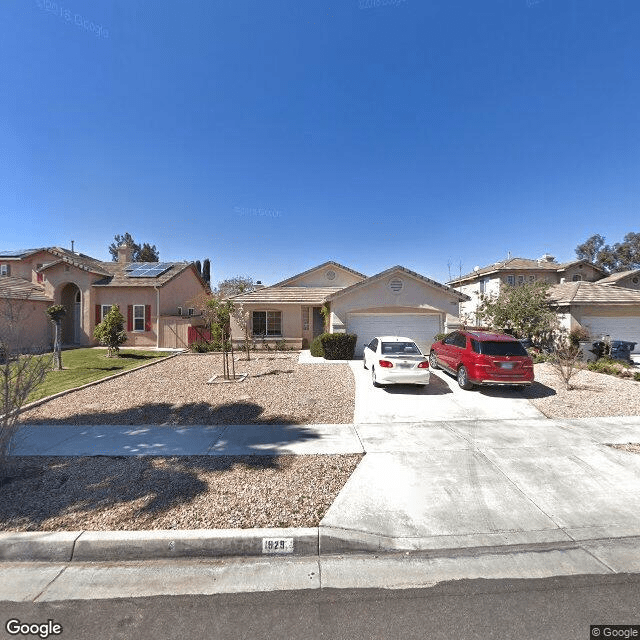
[
  {"x": 72, "y": 246},
  {"x": 259, "y": 285},
  {"x": 125, "y": 253}
]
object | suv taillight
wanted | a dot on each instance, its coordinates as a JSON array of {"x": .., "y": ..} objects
[
  {"x": 386, "y": 364},
  {"x": 423, "y": 365}
]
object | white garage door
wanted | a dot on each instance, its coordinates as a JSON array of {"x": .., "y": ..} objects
[
  {"x": 618, "y": 328},
  {"x": 419, "y": 327}
]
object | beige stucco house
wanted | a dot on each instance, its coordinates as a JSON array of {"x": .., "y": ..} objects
[
  {"x": 601, "y": 309},
  {"x": 153, "y": 297},
  {"x": 397, "y": 302}
]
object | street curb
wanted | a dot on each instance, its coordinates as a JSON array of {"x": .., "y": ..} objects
[
  {"x": 111, "y": 546},
  {"x": 37, "y": 403}
]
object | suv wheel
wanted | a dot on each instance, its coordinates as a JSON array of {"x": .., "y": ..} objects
[
  {"x": 463, "y": 379},
  {"x": 433, "y": 360}
]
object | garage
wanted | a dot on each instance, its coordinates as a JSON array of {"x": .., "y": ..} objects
[
  {"x": 421, "y": 327},
  {"x": 619, "y": 328}
]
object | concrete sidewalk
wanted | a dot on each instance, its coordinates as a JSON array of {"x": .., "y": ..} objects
[{"x": 421, "y": 487}]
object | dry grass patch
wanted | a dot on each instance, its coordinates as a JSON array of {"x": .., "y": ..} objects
[{"x": 191, "y": 492}]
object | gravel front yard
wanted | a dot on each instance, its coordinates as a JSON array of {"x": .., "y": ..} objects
[
  {"x": 277, "y": 391},
  {"x": 595, "y": 395},
  {"x": 197, "y": 492}
]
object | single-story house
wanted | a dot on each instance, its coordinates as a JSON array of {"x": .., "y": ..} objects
[
  {"x": 397, "y": 301},
  {"x": 601, "y": 309},
  {"x": 155, "y": 298}
]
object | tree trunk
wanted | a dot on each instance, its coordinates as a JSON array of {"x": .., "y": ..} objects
[{"x": 57, "y": 348}]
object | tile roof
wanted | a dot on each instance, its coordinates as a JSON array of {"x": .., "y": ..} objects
[
  {"x": 582, "y": 292},
  {"x": 456, "y": 294},
  {"x": 524, "y": 264},
  {"x": 117, "y": 276},
  {"x": 81, "y": 261},
  {"x": 22, "y": 289},
  {"x": 616, "y": 277},
  {"x": 287, "y": 295}
]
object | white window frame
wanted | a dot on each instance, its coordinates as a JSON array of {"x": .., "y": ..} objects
[
  {"x": 305, "y": 318},
  {"x": 532, "y": 278},
  {"x": 179, "y": 311},
  {"x": 4, "y": 269},
  {"x": 103, "y": 313},
  {"x": 577, "y": 277},
  {"x": 137, "y": 317},
  {"x": 511, "y": 279},
  {"x": 190, "y": 311},
  {"x": 521, "y": 279}
]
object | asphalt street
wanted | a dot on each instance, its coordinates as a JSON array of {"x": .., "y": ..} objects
[{"x": 549, "y": 609}]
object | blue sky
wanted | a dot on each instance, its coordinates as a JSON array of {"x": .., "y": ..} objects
[{"x": 272, "y": 136}]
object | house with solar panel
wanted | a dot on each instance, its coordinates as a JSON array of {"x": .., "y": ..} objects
[{"x": 156, "y": 298}]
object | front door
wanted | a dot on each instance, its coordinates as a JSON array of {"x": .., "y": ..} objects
[{"x": 318, "y": 322}]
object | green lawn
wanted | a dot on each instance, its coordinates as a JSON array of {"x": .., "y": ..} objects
[{"x": 86, "y": 365}]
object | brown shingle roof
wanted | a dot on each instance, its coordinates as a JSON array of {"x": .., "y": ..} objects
[
  {"x": 287, "y": 295},
  {"x": 616, "y": 277},
  {"x": 117, "y": 275},
  {"x": 582, "y": 292},
  {"x": 22, "y": 289},
  {"x": 521, "y": 264},
  {"x": 79, "y": 260}
]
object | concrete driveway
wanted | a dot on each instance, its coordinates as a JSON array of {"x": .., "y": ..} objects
[{"x": 442, "y": 399}]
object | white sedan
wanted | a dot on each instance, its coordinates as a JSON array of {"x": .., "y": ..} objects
[{"x": 395, "y": 360}]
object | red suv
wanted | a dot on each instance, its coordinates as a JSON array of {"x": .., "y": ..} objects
[{"x": 479, "y": 357}]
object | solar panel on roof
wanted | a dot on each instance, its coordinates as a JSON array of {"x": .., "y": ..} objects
[
  {"x": 13, "y": 254},
  {"x": 147, "y": 269}
]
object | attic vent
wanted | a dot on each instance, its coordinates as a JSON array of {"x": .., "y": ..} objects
[
  {"x": 396, "y": 285},
  {"x": 331, "y": 275}
]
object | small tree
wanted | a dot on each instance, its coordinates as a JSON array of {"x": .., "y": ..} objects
[
  {"x": 141, "y": 253},
  {"x": 55, "y": 314},
  {"x": 565, "y": 361},
  {"x": 199, "y": 268},
  {"x": 110, "y": 332},
  {"x": 21, "y": 372},
  {"x": 234, "y": 286},
  {"x": 242, "y": 318},
  {"x": 523, "y": 309}
]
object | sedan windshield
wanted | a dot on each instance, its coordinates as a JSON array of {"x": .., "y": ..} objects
[
  {"x": 397, "y": 348},
  {"x": 498, "y": 348}
]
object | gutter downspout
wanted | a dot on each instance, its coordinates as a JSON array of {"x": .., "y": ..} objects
[{"x": 157, "y": 317}]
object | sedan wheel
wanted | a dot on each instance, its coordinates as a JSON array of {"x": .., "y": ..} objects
[
  {"x": 433, "y": 360},
  {"x": 373, "y": 377},
  {"x": 463, "y": 379}
]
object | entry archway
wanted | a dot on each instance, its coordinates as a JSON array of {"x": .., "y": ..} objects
[{"x": 71, "y": 298}]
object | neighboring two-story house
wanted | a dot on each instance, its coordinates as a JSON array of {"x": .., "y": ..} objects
[
  {"x": 154, "y": 298},
  {"x": 582, "y": 293}
]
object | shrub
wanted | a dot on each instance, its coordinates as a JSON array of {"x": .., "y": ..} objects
[
  {"x": 577, "y": 335},
  {"x": 338, "y": 346},
  {"x": 565, "y": 362},
  {"x": 316, "y": 347},
  {"x": 110, "y": 332},
  {"x": 636, "y": 376},
  {"x": 439, "y": 336}
]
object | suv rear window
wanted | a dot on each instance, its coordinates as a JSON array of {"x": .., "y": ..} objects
[
  {"x": 498, "y": 348},
  {"x": 399, "y": 347}
]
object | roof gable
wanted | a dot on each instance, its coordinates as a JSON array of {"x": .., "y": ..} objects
[
  {"x": 583, "y": 292},
  {"x": 316, "y": 276},
  {"x": 461, "y": 297}
]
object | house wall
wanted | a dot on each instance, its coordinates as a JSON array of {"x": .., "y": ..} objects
[
  {"x": 377, "y": 296},
  {"x": 578, "y": 312},
  {"x": 629, "y": 283},
  {"x": 291, "y": 324},
  {"x": 23, "y": 268},
  {"x": 180, "y": 292},
  {"x": 124, "y": 296},
  {"x": 32, "y": 332},
  {"x": 587, "y": 272}
]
